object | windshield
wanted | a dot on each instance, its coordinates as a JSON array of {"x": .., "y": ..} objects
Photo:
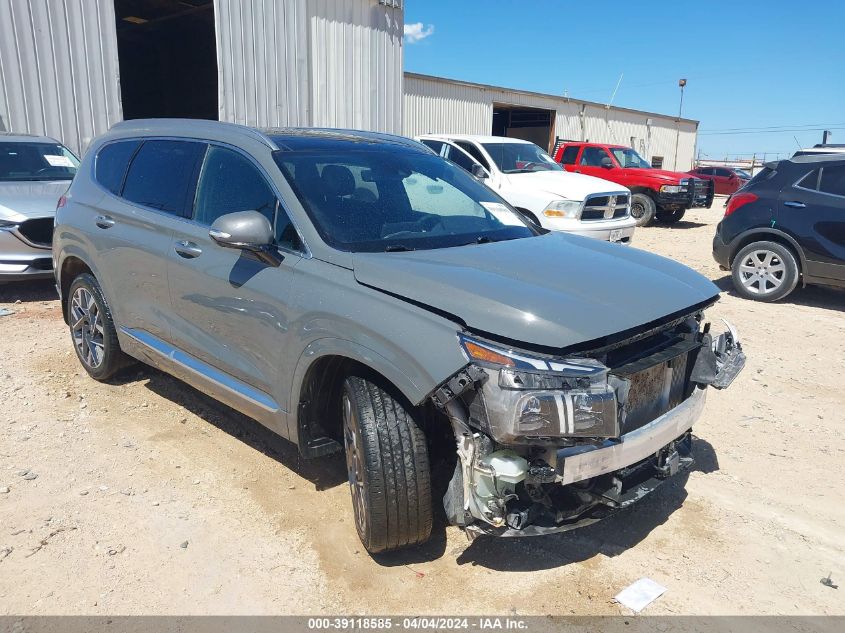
[
  {"x": 626, "y": 157},
  {"x": 392, "y": 199},
  {"x": 36, "y": 161},
  {"x": 743, "y": 174},
  {"x": 520, "y": 158}
]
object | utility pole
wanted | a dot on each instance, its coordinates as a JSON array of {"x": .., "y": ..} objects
[
  {"x": 681, "y": 83},
  {"x": 825, "y": 137}
]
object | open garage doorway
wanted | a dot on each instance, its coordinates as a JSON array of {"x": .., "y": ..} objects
[
  {"x": 168, "y": 58},
  {"x": 530, "y": 124}
]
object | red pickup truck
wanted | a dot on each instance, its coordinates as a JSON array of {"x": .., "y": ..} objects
[{"x": 656, "y": 193}]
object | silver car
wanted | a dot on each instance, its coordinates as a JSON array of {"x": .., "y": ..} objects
[
  {"x": 356, "y": 293},
  {"x": 34, "y": 173}
]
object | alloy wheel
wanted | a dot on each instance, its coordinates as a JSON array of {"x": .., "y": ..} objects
[
  {"x": 762, "y": 272},
  {"x": 86, "y": 326},
  {"x": 354, "y": 463}
]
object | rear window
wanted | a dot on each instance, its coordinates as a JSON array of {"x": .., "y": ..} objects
[
  {"x": 570, "y": 154},
  {"x": 111, "y": 164},
  {"x": 163, "y": 175}
]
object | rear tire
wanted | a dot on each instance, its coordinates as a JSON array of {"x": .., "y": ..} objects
[
  {"x": 92, "y": 329},
  {"x": 642, "y": 209},
  {"x": 670, "y": 217},
  {"x": 387, "y": 462},
  {"x": 765, "y": 271}
]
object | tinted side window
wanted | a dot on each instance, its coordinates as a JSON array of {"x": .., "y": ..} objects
[
  {"x": 833, "y": 180},
  {"x": 810, "y": 181},
  {"x": 436, "y": 146},
  {"x": 570, "y": 154},
  {"x": 162, "y": 175},
  {"x": 230, "y": 182},
  {"x": 112, "y": 161},
  {"x": 473, "y": 151},
  {"x": 460, "y": 159},
  {"x": 593, "y": 156}
]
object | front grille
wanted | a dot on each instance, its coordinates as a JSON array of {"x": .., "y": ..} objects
[
  {"x": 605, "y": 207},
  {"x": 700, "y": 191},
  {"x": 38, "y": 231}
]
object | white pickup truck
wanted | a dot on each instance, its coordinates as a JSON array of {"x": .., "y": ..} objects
[{"x": 530, "y": 180}]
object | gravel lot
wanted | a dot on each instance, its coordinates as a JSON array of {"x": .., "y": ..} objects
[{"x": 144, "y": 496}]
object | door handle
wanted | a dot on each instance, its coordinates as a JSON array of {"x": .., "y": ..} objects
[
  {"x": 187, "y": 249},
  {"x": 104, "y": 221},
  {"x": 794, "y": 204}
]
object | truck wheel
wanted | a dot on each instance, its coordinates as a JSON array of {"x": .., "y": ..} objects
[
  {"x": 92, "y": 329},
  {"x": 765, "y": 271},
  {"x": 670, "y": 217},
  {"x": 387, "y": 462},
  {"x": 642, "y": 209}
]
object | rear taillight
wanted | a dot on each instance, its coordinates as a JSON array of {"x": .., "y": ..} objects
[
  {"x": 62, "y": 202},
  {"x": 739, "y": 200}
]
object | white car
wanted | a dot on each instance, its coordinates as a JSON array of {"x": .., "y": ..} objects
[{"x": 531, "y": 181}]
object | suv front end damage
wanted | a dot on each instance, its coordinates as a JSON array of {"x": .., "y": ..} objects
[{"x": 548, "y": 444}]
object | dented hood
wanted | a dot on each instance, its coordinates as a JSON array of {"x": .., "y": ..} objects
[{"x": 553, "y": 290}]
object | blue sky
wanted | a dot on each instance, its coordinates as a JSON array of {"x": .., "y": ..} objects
[{"x": 749, "y": 63}]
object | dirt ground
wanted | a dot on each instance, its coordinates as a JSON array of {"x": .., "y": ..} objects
[{"x": 144, "y": 496}]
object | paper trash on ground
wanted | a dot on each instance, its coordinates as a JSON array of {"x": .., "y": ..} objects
[{"x": 640, "y": 594}]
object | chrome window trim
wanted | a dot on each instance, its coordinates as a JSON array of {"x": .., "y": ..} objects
[{"x": 818, "y": 184}]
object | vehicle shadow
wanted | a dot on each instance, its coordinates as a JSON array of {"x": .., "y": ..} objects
[
  {"x": 324, "y": 473},
  {"x": 610, "y": 537},
  {"x": 28, "y": 291},
  {"x": 681, "y": 224},
  {"x": 824, "y": 297}
]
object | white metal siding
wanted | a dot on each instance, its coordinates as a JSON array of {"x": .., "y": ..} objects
[
  {"x": 356, "y": 65},
  {"x": 58, "y": 69},
  {"x": 435, "y": 105},
  {"x": 262, "y": 62},
  {"x": 320, "y": 63}
]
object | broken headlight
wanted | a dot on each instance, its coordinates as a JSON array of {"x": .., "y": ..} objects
[{"x": 536, "y": 397}]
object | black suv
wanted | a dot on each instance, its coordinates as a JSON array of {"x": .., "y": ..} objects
[{"x": 787, "y": 224}]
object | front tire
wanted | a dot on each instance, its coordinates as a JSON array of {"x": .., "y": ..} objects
[
  {"x": 642, "y": 209},
  {"x": 92, "y": 329},
  {"x": 765, "y": 271},
  {"x": 387, "y": 462}
]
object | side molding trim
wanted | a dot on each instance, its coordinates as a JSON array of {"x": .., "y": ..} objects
[{"x": 205, "y": 371}]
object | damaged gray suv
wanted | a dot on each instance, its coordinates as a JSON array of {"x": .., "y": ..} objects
[{"x": 355, "y": 292}]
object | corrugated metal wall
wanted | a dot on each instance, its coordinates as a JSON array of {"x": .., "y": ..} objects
[
  {"x": 356, "y": 65},
  {"x": 58, "y": 69},
  {"x": 262, "y": 62},
  {"x": 438, "y": 105},
  {"x": 326, "y": 63}
]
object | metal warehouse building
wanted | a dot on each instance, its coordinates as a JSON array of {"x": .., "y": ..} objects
[
  {"x": 72, "y": 68},
  {"x": 433, "y": 104}
]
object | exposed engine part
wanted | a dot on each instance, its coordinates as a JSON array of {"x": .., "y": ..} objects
[
  {"x": 540, "y": 472},
  {"x": 457, "y": 384},
  {"x": 486, "y": 479}
]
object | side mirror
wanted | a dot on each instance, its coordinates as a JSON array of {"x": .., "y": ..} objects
[
  {"x": 607, "y": 163},
  {"x": 248, "y": 231},
  {"x": 479, "y": 172}
]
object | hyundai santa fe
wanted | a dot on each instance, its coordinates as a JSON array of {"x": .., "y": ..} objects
[{"x": 356, "y": 293}]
